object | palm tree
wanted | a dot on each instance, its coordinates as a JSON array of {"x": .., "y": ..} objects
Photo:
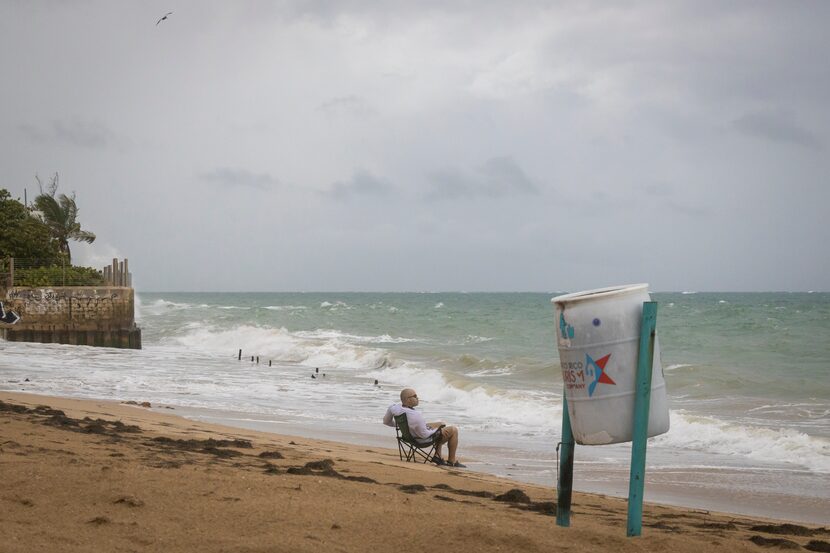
[{"x": 60, "y": 216}]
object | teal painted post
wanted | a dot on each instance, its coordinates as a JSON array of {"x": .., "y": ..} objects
[
  {"x": 642, "y": 400},
  {"x": 564, "y": 488}
]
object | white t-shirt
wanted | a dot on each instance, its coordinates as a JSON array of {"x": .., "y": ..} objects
[{"x": 417, "y": 424}]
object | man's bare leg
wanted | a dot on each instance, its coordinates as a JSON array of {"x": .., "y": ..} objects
[
  {"x": 440, "y": 443},
  {"x": 451, "y": 436}
]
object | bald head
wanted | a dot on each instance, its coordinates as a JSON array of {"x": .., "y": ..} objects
[{"x": 409, "y": 397}]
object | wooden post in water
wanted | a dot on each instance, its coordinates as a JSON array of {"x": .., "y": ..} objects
[
  {"x": 564, "y": 488},
  {"x": 642, "y": 401},
  {"x": 240, "y": 355}
]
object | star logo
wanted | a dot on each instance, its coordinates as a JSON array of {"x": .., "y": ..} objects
[{"x": 597, "y": 370}]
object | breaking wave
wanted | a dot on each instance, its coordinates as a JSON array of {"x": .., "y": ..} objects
[
  {"x": 697, "y": 433},
  {"x": 318, "y": 348}
]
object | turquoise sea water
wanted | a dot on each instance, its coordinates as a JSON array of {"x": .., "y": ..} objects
[{"x": 747, "y": 377}]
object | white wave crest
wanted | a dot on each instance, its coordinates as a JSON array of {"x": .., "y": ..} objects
[
  {"x": 439, "y": 305},
  {"x": 329, "y": 334},
  {"x": 758, "y": 443},
  {"x": 474, "y": 405},
  {"x": 162, "y": 306},
  {"x": 171, "y": 304},
  {"x": 138, "y": 305},
  {"x": 386, "y": 339},
  {"x": 285, "y": 307},
  {"x": 328, "y": 349},
  {"x": 502, "y": 371},
  {"x": 335, "y": 306},
  {"x": 676, "y": 366}
]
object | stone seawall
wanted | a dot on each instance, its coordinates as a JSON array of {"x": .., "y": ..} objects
[{"x": 92, "y": 316}]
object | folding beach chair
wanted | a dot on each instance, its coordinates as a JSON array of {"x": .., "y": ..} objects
[{"x": 409, "y": 446}]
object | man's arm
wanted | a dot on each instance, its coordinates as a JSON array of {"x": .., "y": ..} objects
[{"x": 388, "y": 418}]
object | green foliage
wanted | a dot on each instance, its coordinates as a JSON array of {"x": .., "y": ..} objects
[
  {"x": 58, "y": 276},
  {"x": 22, "y": 235},
  {"x": 60, "y": 214},
  {"x": 40, "y": 261}
]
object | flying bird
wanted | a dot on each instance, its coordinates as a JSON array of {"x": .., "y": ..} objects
[{"x": 163, "y": 18}]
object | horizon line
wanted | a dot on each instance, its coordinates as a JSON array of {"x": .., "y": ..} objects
[{"x": 682, "y": 292}]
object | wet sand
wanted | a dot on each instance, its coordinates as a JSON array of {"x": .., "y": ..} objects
[
  {"x": 83, "y": 475},
  {"x": 748, "y": 492}
]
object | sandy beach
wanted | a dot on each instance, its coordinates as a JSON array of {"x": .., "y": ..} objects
[{"x": 82, "y": 475}]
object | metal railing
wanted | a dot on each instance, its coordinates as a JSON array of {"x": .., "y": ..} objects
[{"x": 31, "y": 272}]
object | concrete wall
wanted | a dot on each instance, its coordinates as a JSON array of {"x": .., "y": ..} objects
[{"x": 95, "y": 316}]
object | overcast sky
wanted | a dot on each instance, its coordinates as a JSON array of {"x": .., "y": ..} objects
[{"x": 430, "y": 146}]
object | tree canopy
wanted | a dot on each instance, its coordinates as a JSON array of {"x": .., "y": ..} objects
[
  {"x": 22, "y": 235},
  {"x": 60, "y": 215}
]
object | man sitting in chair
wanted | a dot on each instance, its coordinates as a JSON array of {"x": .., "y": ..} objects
[{"x": 419, "y": 428}]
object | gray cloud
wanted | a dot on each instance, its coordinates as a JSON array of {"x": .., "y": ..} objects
[
  {"x": 83, "y": 134},
  {"x": 777, "y": 126},
  {"x": 666, "y": 197},
  {"x": 363, "y": 184},
  {"x": 687, "y": 209},
  {"x": 230, "y": 177},
  {"x": 658, "y": 190},
  {"x": 592, "y": 101},
  {"x": 497, "y": 177},
  {"x": 352, "y": 105},
  {"x": 450, "y": 184}
]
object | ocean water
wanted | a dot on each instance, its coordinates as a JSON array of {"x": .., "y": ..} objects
[{"x": 747, "y": 378}]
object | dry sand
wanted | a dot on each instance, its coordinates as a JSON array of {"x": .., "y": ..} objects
[{"x": 101, "y": 476}]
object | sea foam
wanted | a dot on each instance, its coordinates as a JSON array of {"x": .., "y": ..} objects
[
  {"x": 691, "y": 432},
  {"x": 477, "y": 405},
  {"x": 319, "y": 348}
]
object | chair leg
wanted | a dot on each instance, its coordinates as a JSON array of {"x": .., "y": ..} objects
[
  {"x": 427, "y": 456},
  {"x": 407, "y": 451}
]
